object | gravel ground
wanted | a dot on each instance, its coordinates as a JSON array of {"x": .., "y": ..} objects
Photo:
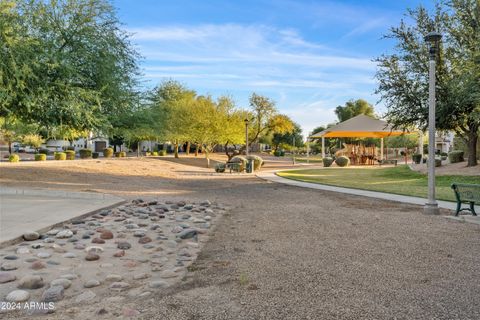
[{"x": 291, "y": 253}]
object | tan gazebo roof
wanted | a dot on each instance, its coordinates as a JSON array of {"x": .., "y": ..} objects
[{"x": 361, "y": 126}]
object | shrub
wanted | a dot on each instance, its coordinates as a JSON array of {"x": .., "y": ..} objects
[
  {"x": 44, "y": 151},
  {"x": 444, "y": 154},
  {"x": 148, "y": 154},
  {"x": 342, "y": 161},
  {"x": 424, "y": 160},
  {"x": 60, "y": 156},
  {"x": 242, "y": 160},
  {"x": 327, "y": 161},
  {"x": 162, "y": 153},
  {"x": 257, "y": 161},
  {"x": 40, "y": 157},
  {"x": 14, "y": 158},
  {"x": 279, "y": 153},
  {"x": 70, "y": 154},
  {"x": 455, "y": 156},
  {"x": 95, "y": 155},
  {"x": 108, "y": 152},
  {"x": 155, "y": 153},
  {"x": 220, "y": 167},
  {"x": 120, "y": 154},
  {"x": 70, "y": 148},
  {"x": 417, "y": 158},
  {"x": 85, "y": 153}
]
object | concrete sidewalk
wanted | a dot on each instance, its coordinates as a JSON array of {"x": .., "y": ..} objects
[
  {"x": 24, "y": 210},
  {"x": 272, "y": 176}
]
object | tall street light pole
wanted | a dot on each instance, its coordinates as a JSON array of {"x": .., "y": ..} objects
[
  {"x": 246, "y": 137},
  {"x": 433, "y": 40}
]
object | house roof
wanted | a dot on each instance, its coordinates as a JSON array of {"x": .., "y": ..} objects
[{"x": 361, "y": 126}]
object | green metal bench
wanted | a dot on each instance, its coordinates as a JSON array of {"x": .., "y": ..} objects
[
  {"x": 469, "y": 193},
  {"x": 233, "y": 166}
]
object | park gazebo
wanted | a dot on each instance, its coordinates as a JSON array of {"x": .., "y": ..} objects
[{"x": 361, "y": 126}]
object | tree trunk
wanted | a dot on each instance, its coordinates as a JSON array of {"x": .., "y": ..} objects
[
  {"x": 196, "y": 150},
  {"x": 188, "y": 149},
  {"x": 9, "y": 147},
  {"x": 207, "y": 156},
  {"x": 176, "y": 149},
  {"x": 229, "y": 154},
  {"x": 138, "y": 149},
  {"x": 472, "y": 147}
]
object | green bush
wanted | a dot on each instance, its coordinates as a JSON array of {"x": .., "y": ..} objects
[
  {"x": 95, "y": 155},
  {"x": 162, "y": 153},
  {"x": 342, "y": 161},
  {"x": 155, "y": 153},
  {"x": 60, "y": 156},
  {"x": 108, "y": 152},
  {"x": 438, "y": 162},
  {"x": 327, "y": 161},
  {"x": 455, "y": 156},
  {"x": 148, "y": 154},
  {"x": 44, "y": 151},
  {"x": 257, "y": 161},
  {"x": 444, "y": 154},
  {"x": 242, "y": 160},
  {"x": 14, "y": 158},
  {"x": 70, "y": 154},
  {"x": 40, "y": 157},
  {"x": 70, "y": 148},
  {"x": 279, "y": 153},
  {"x": 120, "y": 154},
  {"x": 220, "y": 167},
  {"x": 417, "y": 158},
  {"x": 85, "y": 153}
]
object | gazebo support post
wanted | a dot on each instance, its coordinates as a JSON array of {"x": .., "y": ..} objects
[
  {"x": 323, "y": 147},
  {"x": 381, "y": 149}
]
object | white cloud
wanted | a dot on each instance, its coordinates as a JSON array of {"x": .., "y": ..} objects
[
  {"x": 306, "y": 78},
  {"x": 367, "y": 26}
]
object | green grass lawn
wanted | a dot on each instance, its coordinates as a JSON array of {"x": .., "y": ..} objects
[{"x": 398, "y": 180}]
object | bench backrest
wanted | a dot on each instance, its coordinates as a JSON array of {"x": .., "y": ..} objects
[{"x": 467, "y": 192}]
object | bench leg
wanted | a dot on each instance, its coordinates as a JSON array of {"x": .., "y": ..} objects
[
  {"x": 459, "y": 206},
  {"x": 472, "y": 208}
]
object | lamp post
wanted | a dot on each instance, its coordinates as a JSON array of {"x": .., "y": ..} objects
[
  {"x": 433, "y": 40},
  {"x": 246, "y": 137}
]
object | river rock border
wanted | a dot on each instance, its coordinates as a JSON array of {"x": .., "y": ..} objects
[{"x": 130, "y": 250}]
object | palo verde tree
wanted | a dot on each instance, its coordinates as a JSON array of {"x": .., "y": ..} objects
[
  {"x": 403, "y": 75},
  {"x": 291, "y": 138},
  {"x": 265, "y": 119},
  {"x": 172, "y": 108}
]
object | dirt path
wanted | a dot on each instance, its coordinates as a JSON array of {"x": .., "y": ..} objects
[{"x": 290, "y": 253}]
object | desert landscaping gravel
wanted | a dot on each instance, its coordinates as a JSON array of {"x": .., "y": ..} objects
[{"x": 283, "y": 252}]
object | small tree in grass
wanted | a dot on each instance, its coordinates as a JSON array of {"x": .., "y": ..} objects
[{"x": 33, "y": 140}]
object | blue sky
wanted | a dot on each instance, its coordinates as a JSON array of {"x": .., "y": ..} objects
[{"x": 308, "y": 56}]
